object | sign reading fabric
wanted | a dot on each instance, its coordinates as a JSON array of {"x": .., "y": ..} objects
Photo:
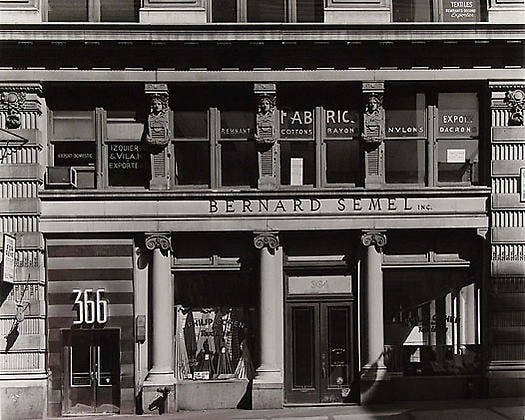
[
  {"x": 341, "y": 123},
  {"x": 8, "y": 261},
  {"x": 70, "y": 154},
  {"x": 297, "y": 124},
  {"x": 461, "y": 11}
]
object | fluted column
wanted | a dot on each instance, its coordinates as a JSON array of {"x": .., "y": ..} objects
[
  {"x": 162, "y": 301},
  {"x": 373, "y": 299},
  {"x": 267, "y": 389}
]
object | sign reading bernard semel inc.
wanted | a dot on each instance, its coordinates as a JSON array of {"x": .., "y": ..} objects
[{"x": 8, "y": 261}]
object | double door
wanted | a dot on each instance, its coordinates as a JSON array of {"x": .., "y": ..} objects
[
  {"x": 92, "y": 371},
  {"x": 319, "y": 352}
]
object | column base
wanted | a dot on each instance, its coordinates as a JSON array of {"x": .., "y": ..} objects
[
  {"x": 267, "y": 395},
  {"x": 375, "y": 385},
  {"x": 157, "y": 399}
]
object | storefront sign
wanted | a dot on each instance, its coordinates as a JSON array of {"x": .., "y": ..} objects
[
  {"x": 126, "y": 156},
  {"x": 458, "y": 123},
  {"x": 405, "y": 131},
  {"x": 461, "y": 11},
  {"x": 8, "y": 261},
  {"x": 91, "y": 306},
  {"x": 237, "y": 124},
  {"x": 456, "y": 155},
  {"x": 297, "y": 124},
  {"x": 341, "y": 123},
  {"x": 361, "y": 205},
  {"x": 316, "y": 285},
  {"x": 74, "y": 153}
]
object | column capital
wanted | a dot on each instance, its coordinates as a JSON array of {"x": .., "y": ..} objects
[
  {"x": 374, "y": 237},
  {"x": 266, "y": 239},
  {"x": 16, "y": 98},
  {"x": 160, "y": 240}
]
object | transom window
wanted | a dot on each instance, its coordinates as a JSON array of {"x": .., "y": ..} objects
[
  {"x": 267, "y": 11},
  {"x": 93, "y": 10}
]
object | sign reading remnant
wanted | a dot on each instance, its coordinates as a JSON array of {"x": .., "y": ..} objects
[
  {"x": 8, "y": 261},
  {"x": 461, "y": 11}
]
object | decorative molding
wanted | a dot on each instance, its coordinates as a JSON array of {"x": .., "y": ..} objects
[
  {"x": 515, "y": 100},
  {"x": 374, "y": 119},
  {"x": 158, "y": 240},
  {"x": 266, "y": 239},
  {"x": 157, "y": 131},
  {"x": 15, "y": 99},
  {"x": 266, "y": 117},
  {"x": 375, "y": 238}
]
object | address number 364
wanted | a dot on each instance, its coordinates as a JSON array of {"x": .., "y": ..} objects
[{"x": 91, "y": 306}]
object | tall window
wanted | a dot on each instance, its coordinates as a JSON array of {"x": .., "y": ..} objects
[
  {"x": 267, "y": 11},
  {"x": 93, "y": 10},
  {"x": 431, "y": 138}
]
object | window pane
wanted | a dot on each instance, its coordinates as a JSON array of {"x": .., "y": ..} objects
[
  {"x": 458, "y": 161},
  {"x": 119, "y": 10},
  {"x": 224, "y": 10},
  {"x": 191, "y": 124},
  {"x": 128, "y": 164},
  {"x": 405, "y": 161},
  {"x": 405, "y": 114},
  {"x": 67, "y": 11},
  {"x": 70, "y": 153},
  {"x": 265, "y": 10},
  {"x": 303, "y": 347},
  {"x": 297, "y": 163},
  {"x": 413, "y": 11},
  {"x": 343, "y": 162},
  {"x": 297, "y": 124},
  {"x": 239, "y": 163},
  {"x": 309, "y": 11},
  {"x": 73, "y": 125},
  {"x": 237, "y": 124},
  {"x": 458, "y": 115},
  {"x": 193, "y": 163}
]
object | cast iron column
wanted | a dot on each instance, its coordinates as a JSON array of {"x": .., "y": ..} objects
[
  {"x": 268, "y": 383},
  {"x": 373, "y": 298},
  {"x": 162, "y": 302}
]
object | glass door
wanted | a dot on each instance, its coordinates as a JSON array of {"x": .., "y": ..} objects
[
  {"x": 319, "y": 352},
  {"x": 92, "y": 371}
]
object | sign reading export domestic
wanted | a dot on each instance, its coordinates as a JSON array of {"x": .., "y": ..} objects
[
  {"x": 461, "y": 11},
  {"x": 8, "y": 261}
]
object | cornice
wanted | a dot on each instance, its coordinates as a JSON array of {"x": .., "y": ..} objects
[{"x": 320, "y": 32}]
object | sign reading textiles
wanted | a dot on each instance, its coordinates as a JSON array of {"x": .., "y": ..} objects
[
  {"x": 461, "y": 11},
  {"x": 8, "y": 262}
]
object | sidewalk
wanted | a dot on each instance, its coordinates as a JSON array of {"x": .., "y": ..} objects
[{"x": 471, "y": 409}]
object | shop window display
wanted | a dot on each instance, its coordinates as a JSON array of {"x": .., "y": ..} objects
[
  {"x": 432, "y": 328},
  {"x": 214, "y": 343}
]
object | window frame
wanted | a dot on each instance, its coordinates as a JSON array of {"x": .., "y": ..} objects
[
  {"x": 94, "y": 13},
  {"x": 290, "y": 12}
]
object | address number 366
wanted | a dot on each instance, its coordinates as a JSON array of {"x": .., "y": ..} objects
[{"x": 91, "y": 306}]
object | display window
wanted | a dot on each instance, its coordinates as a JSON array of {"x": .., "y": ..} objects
[
  {"x": 432, "y": 322},
  {"x": 267, "y": 11},
  {"x": 215, "y": 326}
]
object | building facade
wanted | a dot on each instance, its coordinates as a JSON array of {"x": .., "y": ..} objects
[{"x": 260, "y": 203}]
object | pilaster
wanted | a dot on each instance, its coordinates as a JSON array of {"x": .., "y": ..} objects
[
  {"x": 374, "y": 133},
  {"x": 267, "y": 389},
  {"x": 506, "y": 286},
  {"x": 266, "y": 135},
  {"x": 173, "y": 11},
  {"x": 158, "y": 135}
]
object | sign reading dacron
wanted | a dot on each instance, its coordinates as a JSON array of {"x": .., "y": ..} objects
[{"x": 8, "y": 260}]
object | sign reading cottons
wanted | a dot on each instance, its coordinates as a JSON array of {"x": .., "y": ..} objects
[{"x": 8, "y": 261}]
